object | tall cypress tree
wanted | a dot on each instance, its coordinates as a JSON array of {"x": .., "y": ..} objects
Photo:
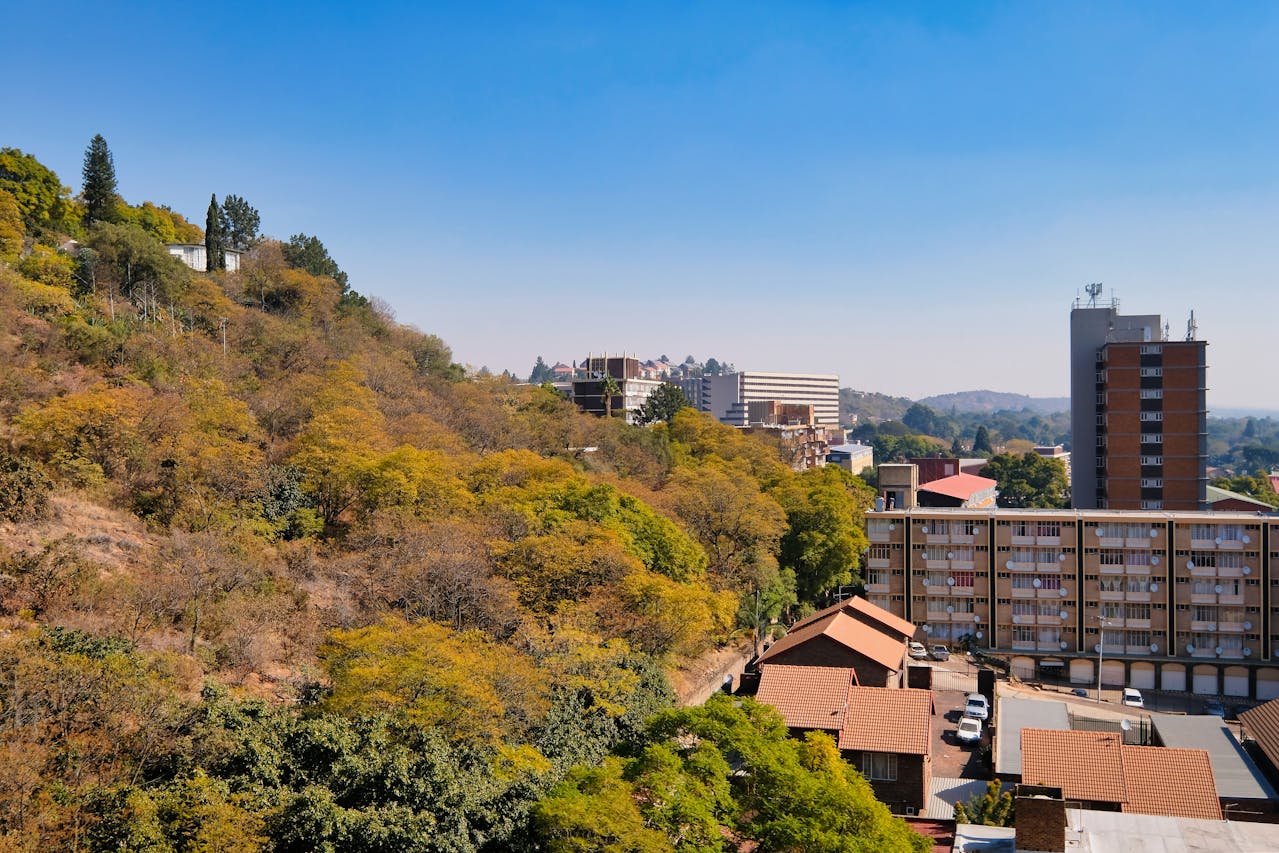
[
  {"x": 214, "y": 252},
  {"x": 99, "y": 182}
]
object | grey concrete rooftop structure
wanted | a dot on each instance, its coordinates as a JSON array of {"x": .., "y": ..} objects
[
  {"x": 1017, "y": 714},
  {"x": 1123, "y": 832},
  {"x": 1235, "y": 774}
]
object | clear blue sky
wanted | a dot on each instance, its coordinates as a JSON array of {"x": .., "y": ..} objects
[{"x": 910, "y": 198}]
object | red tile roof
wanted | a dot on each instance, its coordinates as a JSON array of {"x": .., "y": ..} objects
[
  {"x": 960, "y": 486},
  {"x": 857, "y": 604},
  {"x": 1097, "y": 766},
  {"x": 874, "y": 719},
  {"x": 887, "y": 651},
  {"x": 809, "y": 697},
  {"x": 888, "y": 719}
]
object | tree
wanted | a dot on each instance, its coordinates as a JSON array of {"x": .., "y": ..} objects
[
  {"x": 1257, "y": 486},
  {"x": 923, "y": 420},
  {"x": 993, "y": 808},
  {"x": 99, "y": 190},
  {"x": 825, "y": 537},
  {"x": 541, "y": 372},
  {"x": 304, "y": 252},
  {"x": 11, "y": 227},
  {"x": 42, "y": 199},
  {"x": 662, "y": 404},
  {"x": 956, "y": 449},
  {"x": 239, "y": 222},
  {"x": 1029, "y": 480},
  {"x": 609, "y": 389},
  {"x": 713, "y": 367},
  {"x": 214, "y": 249},
  {"x": 981, "y": 442}
]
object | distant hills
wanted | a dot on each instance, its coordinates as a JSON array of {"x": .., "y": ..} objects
[
  {"x": 875, "y": 407},
  {"x": 995, "y": 401}
]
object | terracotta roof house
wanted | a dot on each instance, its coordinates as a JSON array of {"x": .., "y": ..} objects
[
  {"x": 1244, "y": 791},
  {"x": 884, "y": 733},
  {"x": 1099, "y": 771},
  {"x": 842, "y": 639},
  {"x": 1261, "y": 726}
]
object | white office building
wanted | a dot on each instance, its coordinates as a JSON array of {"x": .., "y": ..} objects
[{"x": 728, "y": 397}]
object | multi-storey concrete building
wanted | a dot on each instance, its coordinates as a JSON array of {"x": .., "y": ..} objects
[
  {"x": 1138, "y": 412},
  {"x": 1168, "y": 600},
  {"x": 728, "y": 397}
]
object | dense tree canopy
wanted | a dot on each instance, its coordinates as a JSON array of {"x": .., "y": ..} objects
[{"x": 1029, "y": 480}]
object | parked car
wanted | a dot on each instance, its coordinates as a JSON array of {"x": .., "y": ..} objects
[
  {"x": 976, "y": 706},
  {"x": 969, "y": 730},
  {"x": 917, "y": 650},
  {"x": 1081, "y": 692},
  {"x": 1214, "y": 708},
  {"x": 1132, "y": 698},
  {"x": 940, "y": 652}
]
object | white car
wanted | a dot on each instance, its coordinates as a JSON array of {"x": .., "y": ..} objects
[
  {"x": 969, "y": 730},
  {"x": 917, "y": 650},
  {"x": 977, "y": 707},
  {"x": 1132, "y": 698}
]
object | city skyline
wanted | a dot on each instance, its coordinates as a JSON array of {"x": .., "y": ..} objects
[{"x": 760, "y": 185}]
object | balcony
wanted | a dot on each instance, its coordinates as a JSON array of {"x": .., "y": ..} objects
[
  {"x": 1020, "y": 567},
  {"x": 878, "y": 562},
  {"x": 1137, "y": 596},
  {"x": 963, "y": 617},
  {"x": 1203, "y": 571},
  {"x": 1023, "y": 540},
  {"x": 879, "y": 536},
  {"x": 937, "y": 564},
  {"x": 1229, "y": 571},
  {"x": 1024, "y": 593},
  {"x": 1053, "y": 619},
  {"x": 938, "y": 616},
  {"x": 1137, "y": 542},
  {"x": 1050, "y": 593},
  {"x": 1203, "y": 598},
  {"x": 1230, "y": 627},
  {"x": 1111, "y": 570},
  {"x": 1054, "y": 541},
  {"x": 962, "y": 565},
  {"x": 1136, "y": 650},
  {"x": 1228, "y": 598},
  {"x": 1108, "y": 595},
  {"x": 966, "y": 591},
  {"x": 1201, "y": 626},
  {"x": 1025, "y": 646},
  {"x": 878, "y": 587},
  {"x": 962, "y": 538},
  {"x": 1110, "y": 541},
  {"x": 937, "y": 538},
  {"x": 1050, "y": 566},
  {"x": 1049, "y": 647},
  {"x": 1231, "y": 654},
  {"x": 1203, "y": 544},
  {"x": 1136, "y": 569},
  {"x": 1137, "y": 623}
]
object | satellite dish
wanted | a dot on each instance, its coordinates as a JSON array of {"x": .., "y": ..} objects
[{"x": 1125, "y": 724}]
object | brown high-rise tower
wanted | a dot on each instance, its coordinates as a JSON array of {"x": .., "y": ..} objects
[{"x": 1138, "y": 412}]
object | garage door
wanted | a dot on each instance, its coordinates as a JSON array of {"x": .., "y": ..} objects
[
  {"x": 1236, "y": 681},
  {"x": 1023, "y": 667},
  {"x": 1112, "y": 673},
  {"x": 1205, "y": 680},
  {"x": 1081, "y": 672},
  {"x": 1173, "y": 677},
  {"x": 1142, "y": 676},
  {"x": 1267, "y": 684}
]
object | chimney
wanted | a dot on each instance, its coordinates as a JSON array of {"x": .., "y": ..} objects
[{"x": 1040, "y": 818}]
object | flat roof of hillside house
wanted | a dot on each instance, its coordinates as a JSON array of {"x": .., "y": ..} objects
[{"x": 1233, "y": 771}]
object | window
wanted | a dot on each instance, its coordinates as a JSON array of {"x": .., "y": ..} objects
[
  {"x": 1152, "y": 349},
  {"x": 1023, "y": 555},
  {"x": 964, "y": 605},
  {"x": 1152, "y": 416},
  {"x": 1047, "y": 555},
  {"x": 877, "y": 576},
  {"x": 880, "y": 766},
  {"x": 935, "y": 552},
  {"x": 1152, "y": 438},
  {"x": 964, "y": 579},
  {"x": 1049, "y": 581},
  {"x": 1203, "y": 531},
  {"x": 1152, "y": 393},
  {"x": 1101, "y": 399},
  {"x": 1152, "y": 371},
  {"x": 1023, "y": 634},
  {"x": 1152, "y": 504},
  {"x": 1025, "y": 608},
  {"x": 1111, "y": 558},
  {"x": 1049, "y": 635},
  {"x": 879, "y": 526},
  {"x": 963, "y": 555},
  {"x": 936, "y": 579},
  {"x": 880, "y": 552},
  {"x": 1048, "y": 528},
  {"x": 1111, "y": 584},
  {"x": 1137, "y": 558},
  {"x": 1111, "y": 610},
  {"x": 1138, "y": 583},
  {"x": 1137, "y": 611},
  {"x": 1152, "y": 460},
  {"x": 1200, "y": 613}
]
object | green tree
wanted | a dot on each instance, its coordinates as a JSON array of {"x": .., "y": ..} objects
[
  {"x": 825, "y": 534},
  {"x": 42, "y": 199},
  {"x": 662, "y": 404},
  {"x": 11, "y": 227},
  {"x": 239, "y": 222},
  {"x": 214, "y": 249},
  {"x": 1029, "y": 480},
  {"x": 304, "y": 252},
  {"x": 99, "y": 189},
  {"x": 541, "y": 372},
  {"x": 992, "y": 808},
  {"x": 1257, "y": 486},
  {"x": 609, "y": 388},
  {"x": 981, "y": 442}
]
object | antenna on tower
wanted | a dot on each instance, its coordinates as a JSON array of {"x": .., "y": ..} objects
[
  {"x": 1093, "y": 290},
  {"x": 1192, "y": 328},
  {"x": 1167, "y": 330}
]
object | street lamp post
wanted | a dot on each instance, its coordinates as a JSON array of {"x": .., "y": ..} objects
[{"x": 1101, "y": 651}]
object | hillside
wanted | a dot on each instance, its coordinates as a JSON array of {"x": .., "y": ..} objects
[
  {"x": 995, "y": 401},
  {"x": 277, "y": 574}
]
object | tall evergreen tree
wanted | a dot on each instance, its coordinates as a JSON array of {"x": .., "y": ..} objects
[
  {"x": 981, "y": 442},
  {"x": 214, "y": 250},
  {"x": 99, "y": 189},
  {"x": 240, "y": 222}
]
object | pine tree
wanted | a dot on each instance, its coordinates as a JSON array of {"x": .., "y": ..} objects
[
  {"x": 981, "y": 442},
  {"x": 240, "y": 222},
  {"x": 214, "y": 251},
  {"x": 99, "y": 189}
]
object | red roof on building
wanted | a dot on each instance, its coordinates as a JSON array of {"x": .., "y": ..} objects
[
  {"x": 872, "y": 719},
  {"x": 884, "y": 649},
  {"x": 961, "y": 486},
  {"x": 892, "y": 622},
  {"x": 1098, "y": 766}
]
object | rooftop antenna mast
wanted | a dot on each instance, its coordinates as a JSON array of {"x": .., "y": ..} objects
[
  {"x": 1093, "y": 290},
  {"x": 1192, "y": 328}
]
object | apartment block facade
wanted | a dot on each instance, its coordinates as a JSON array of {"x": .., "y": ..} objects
[
  {"x": 1176, "y": 600},
  {"x": 728, "y": 397},
  {"x": 1139, "y": 413}
]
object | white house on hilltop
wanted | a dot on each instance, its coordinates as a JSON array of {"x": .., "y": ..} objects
[{"x": 193, "y": 255}]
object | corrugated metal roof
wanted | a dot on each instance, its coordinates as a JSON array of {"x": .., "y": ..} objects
[
  {"x": 1017, "y": 714},
  {"x": 1234, "y": 772}
]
